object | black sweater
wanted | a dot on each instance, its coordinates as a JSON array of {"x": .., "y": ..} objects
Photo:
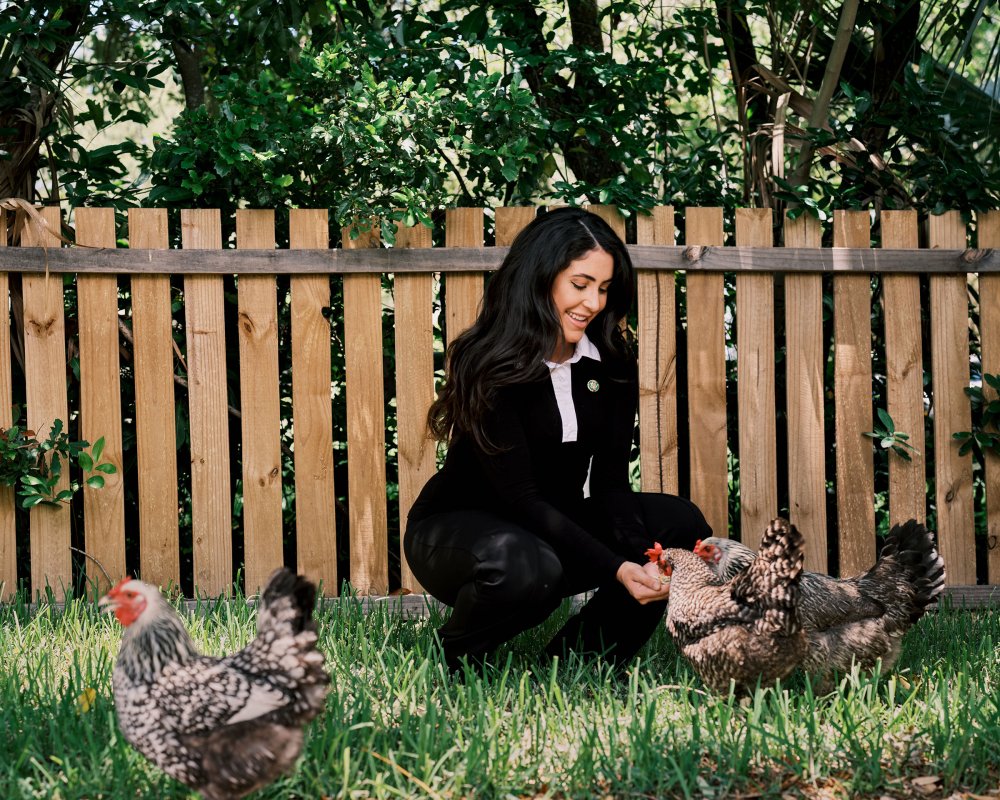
[{"x": 537, "y": 480}]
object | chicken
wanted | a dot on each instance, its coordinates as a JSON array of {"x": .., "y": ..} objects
[
  {"x": 222, "y": 726},
  {"x": 860, "y": 619},
  {"x": 745, "y": 630}
]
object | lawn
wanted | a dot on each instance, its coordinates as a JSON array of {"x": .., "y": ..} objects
[{"x": 397, "y": 726}]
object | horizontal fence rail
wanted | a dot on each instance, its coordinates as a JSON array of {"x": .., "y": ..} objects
[
  {"x": 470, "y": 259},
  {"x": 758, "y": 384}
]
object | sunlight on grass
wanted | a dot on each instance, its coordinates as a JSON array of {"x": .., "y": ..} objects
[{"x": 397, "y": 725}]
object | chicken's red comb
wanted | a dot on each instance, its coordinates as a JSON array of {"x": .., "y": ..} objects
[
  {"x": 654, "y": 552},
  {"x": 120, "y": 584}
]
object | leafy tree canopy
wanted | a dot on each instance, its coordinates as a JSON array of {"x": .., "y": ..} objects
[{"x": 369, "y": 108}]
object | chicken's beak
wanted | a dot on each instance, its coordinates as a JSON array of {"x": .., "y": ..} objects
[{"x": 108, "y": 603}]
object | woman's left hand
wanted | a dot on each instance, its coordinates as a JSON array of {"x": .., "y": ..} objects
[{"x": 642, "y": 583}]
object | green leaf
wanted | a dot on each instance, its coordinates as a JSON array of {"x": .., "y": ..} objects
[
  {"x": 107, "y": 468},
  {"x": 95, "y": 482},
  {"x": 86, "y": 462},
  {"x": 886, "y": 420},
  {"x": 97, "y": 449}
]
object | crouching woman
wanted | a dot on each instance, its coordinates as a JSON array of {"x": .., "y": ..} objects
[{"x": 533, "y": 503}]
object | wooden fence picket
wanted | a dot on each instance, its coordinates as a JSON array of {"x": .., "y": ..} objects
[
  {"x": 656, "y": 332},
  {"x": 853, "y": 395},
  {"x": 205, "y": 329},
  {"x": 463, "y": 227},
  {"x": 612, "y": 216},
  {"x": 988, "y": 224},
  {"x": 8, "y": 532},
  {"x": 706, "y": 352},
  {"x": 45, "y": 389},
  {"x": 804, "y": 370},
  {"x": 260, "y": 406},
  {"x": 510, "y": 221},
  {"x": 952, "y": 413},
  {"x": 100, "y": 400},
  {"x": 413, "y": 295},
  {"x": 156, "y": 442},
  {"x": 365, "y": 424},
  {"x": 312, "y": 409},
  {"x": 905, "y": 372},
  {"x": 756, "y": 381}
]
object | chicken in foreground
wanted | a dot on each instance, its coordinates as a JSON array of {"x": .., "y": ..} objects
[
  {"x": 860, "y": 619},
  {"x": 747, "y": 630},
  {"x": 222, "y": 726}
]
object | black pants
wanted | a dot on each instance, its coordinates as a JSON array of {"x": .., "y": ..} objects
[{"x": 501, "y": 580}]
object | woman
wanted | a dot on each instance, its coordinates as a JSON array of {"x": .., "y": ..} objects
[{"x": 533, "y": 503}]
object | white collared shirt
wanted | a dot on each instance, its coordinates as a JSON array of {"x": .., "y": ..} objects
[{"x": 561, "y": 375}]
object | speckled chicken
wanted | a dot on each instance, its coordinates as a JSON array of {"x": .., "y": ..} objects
[
  {"x": 222, "y": 726},
  {"x": 745, "y": 630},
  {"x": 860, "y": 619}
]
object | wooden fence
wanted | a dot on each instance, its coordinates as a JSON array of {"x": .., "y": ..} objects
[{"x": 769, "y": 338}]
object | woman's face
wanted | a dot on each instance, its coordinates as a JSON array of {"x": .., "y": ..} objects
[{"x": 579, "y": 293}]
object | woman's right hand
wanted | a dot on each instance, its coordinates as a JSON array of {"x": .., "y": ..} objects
[{"x": 642, "y": 584}]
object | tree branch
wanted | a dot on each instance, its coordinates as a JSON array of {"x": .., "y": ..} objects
[{"x": 831, "y": 78}]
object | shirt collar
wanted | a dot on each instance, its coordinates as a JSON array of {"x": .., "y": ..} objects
[{"x": 584, "y": 349}]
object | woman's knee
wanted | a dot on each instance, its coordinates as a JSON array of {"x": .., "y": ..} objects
[{"x": 516, "y": 567}]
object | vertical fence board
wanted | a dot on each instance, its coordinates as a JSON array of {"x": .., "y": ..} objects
[
  {"x": 365, "y": 425},
  {"x": 260, "y": 408},
  {"x": 804, "y": 364},
  {"x": 905, "y": 371},
  {"x": 100, "y": 399},
  {"x": 989, "y": 332},
  {"x": 853, "y": 392},
  {"x": 312, "y": 408},
  {"x": 706, "y": 345},
  {"x": 510, "y": 221},
  {"x": 756, "y": 380},
  {"x": 205, "y": 329},
  {"x": 612, "y": 216},
  {"x": 463, "y": 290},
  {"x": 414, "y": 320},
  {"x": 45, "y": 388},
  {"x": 658, "y": 457},
  {"x": 952, "y": 410},
  {"x": 156, "y": 443},
  {"x": 8, "y": 533}
]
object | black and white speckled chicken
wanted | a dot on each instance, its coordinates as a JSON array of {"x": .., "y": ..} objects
[
  {"x": 222, "y": 726},
  {"x": 860, "y": 619},
  {"x": 745, "y": 630}
]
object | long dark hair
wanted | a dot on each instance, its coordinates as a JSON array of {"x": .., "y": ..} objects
[{"x": 517, "y": 327}]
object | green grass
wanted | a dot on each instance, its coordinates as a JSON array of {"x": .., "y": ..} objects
[{"x": 397, "y": 726}]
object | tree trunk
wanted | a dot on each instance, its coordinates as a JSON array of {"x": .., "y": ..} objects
[
  {"x": 188, "y": 58},
  {"x": 590, "y": 163}
]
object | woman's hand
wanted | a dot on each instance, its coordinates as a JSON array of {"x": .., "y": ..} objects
[{"x": 643, "y": 583}]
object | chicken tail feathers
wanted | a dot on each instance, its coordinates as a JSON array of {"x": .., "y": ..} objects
[
  {"x": 286, "y": 604},
  {"x": 911, "y": 556},
  {"x": 772, "y": 580}
]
